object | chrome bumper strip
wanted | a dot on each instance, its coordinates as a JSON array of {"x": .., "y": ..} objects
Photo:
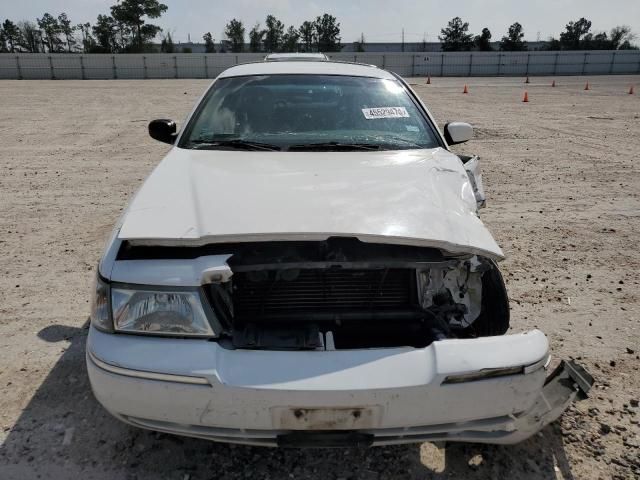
[{"x": 165, "y": 377}]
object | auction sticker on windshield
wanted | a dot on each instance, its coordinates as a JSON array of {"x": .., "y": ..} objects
[{"x": 385, "y": 112}]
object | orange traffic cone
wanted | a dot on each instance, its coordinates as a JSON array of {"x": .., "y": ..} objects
[
  {"x": 429, "y": 80},
  {"x": 631, "y": 90},
  {"x": 527, "y": 80},
  {"x": 553, "y": 84},
  {"x": 466, "y": 90},
  {"x": 526, "y": 97},
  {"x": 586, "y": 87}
]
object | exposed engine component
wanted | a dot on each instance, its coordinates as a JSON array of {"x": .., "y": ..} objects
[
  {"x": 359, "y": 299},
  {"x": 330, "y": 294},
  {"x": 460, "y": 286},
  {"x": 296, "y": 295}
]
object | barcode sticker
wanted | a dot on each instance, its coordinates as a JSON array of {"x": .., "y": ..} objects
[{"x": 385, "y": 112}]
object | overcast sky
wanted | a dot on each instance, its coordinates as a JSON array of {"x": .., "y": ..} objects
[{"x": 379, "y": 20}]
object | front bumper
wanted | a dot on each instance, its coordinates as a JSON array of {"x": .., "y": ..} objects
[{"x": 331, "y": 398}]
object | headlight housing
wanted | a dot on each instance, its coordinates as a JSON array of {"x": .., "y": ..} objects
[
  {"x": 100, "y": 308},
  {"x": 167, "y": 311},
  {"x": 159, "y": 312}
]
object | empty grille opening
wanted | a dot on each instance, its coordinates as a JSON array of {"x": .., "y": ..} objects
[
  {"x": 300, "y": 308},
  {"x": 317, "y": 294}
]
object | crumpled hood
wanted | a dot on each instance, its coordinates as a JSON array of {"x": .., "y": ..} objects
[{"x": 409, "y": 197}]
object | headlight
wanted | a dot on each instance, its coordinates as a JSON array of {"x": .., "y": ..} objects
[
  {"x": 159, "y": 312},
  {"x": 100, "y": 311}
]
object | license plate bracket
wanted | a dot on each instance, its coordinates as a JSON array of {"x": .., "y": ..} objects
[{"x": 326, "y": 418}]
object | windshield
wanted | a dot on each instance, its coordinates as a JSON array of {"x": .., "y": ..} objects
[{"x": 308, "y": 112}]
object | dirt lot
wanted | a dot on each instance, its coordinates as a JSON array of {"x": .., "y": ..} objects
[{"x": 563, "y": 183}]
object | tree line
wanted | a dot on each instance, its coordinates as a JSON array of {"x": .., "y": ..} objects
[
  {"x": 127, "y": 29},
  {"x": 319, "y": 35},
  {"x": 455, "y": 37}
]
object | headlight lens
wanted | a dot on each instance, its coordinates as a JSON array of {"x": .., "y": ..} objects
[
  {"x": 100, "y": 311},
  {"x": 159, "y": 312}
]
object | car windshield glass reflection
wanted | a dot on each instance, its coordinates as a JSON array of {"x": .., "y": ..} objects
[{"x": 308, "y": 112}]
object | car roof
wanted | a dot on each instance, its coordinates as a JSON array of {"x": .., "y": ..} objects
[
  {"x": 309, "y": 68},
  {"x": 292, "y": 57}
]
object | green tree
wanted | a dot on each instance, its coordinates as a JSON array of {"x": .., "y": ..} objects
[
  {"x": 209, "y": 45},
  {"x": 67, "y": 30},
  {"x": 167, "y": 45},
  {"x": 234, "y": 31},
  {"x": 256, "y": 37},
  {"x": 132, "y": 15},
  {"x": 455, "y": 36},
  {"x": 621, "y": 35},
  {"x": 290, "y": 40},
  {"x": 577, "y": 36},
  {"x": 483, "y": 41},
  {"x": 599, "y": 41},
  {"x": 513, "y": 41},
  {"x": 552, "y": 44},
  {"x": 88, "y": 42},
  {"x": 571, "y": 38},
  {"x": 3, "y": 42},
  {"x": 31, "y": 37},
  {"x": 273, "y": 34},
  {"x": 328, "y": 33},
  {"x": 11, "y": 36},
  {"x": 51, "y": 32},
  {"x": 626, "y": 45},
  {"x": 105, "y": 31},
  {"x": 308, "y": 35}
]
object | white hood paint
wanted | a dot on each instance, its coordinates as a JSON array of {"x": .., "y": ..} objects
[{"x": 409, "y": 197}]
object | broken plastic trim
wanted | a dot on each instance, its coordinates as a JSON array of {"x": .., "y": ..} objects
[{"x": 582, "y": 379}]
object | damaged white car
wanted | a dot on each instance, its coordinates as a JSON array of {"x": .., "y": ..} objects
[{"x": 306, "y": 267}]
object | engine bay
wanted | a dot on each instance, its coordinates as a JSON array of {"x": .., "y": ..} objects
[{"x": 342, "y": 293}]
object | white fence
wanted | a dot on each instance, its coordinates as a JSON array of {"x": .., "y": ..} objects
[{"x": 190, "y": 65}]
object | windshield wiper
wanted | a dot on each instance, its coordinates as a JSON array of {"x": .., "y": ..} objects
[
  {"x": 344, "y": 147},
  {"x": 236, "y": 143},
  {"x": 390, "y": 138}
]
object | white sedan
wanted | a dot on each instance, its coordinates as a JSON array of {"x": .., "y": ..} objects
[{"x": 306, "y": 267}]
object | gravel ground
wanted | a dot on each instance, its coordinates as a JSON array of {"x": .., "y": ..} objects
[{"x": 561, "y": 174}]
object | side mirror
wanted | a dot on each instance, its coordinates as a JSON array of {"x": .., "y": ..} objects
[
  {"x": 457, "y": 132},
  {"x": 163, "y": 130}
]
